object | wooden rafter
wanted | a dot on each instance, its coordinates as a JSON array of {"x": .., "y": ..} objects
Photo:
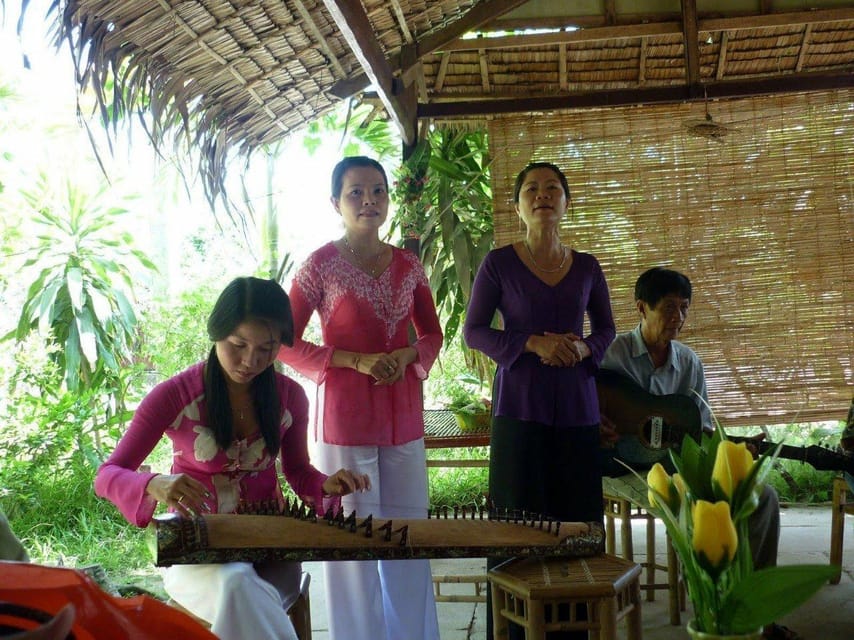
[
  {"x": 653, "y": 29},
  {"x": 642, "y": 63},
  {"x": 413, "y": 52},
  {"x": 719, "y": 73},
  {"x": 562, "y": 71},
  {"x": 730, "y": 89},
  {"x": 690, "y": 35},
  {"x": 356, "y": 29},
  {"x": 732, "y": 21},
  {"x": 805, "y": 43},
  {"x": 484, "y": 70}
]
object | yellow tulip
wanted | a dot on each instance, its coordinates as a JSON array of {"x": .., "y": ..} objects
[
  {"x": 733, "y": 463},
  {"x": 658, "y": 480},
  {"x": 681, "y": 487},
  {"x": 714, "y": 538}
]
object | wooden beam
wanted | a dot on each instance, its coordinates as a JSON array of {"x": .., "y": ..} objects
[
  {"x": 805, "y": 44},
  {"x": 349, "y": 86},
  {"x": 562, "y": 68},
  {"x": 558, "y": 37},
  {"x": 484, "y": 71},
  {"x": 732, "y": 19},
  {"x": 719, "y": 72},
  {"x": 466, "y": 107},
  {"x": 443, "y": 70},
  {"x": 610, "y": 12},
  {"x": 642, "y": 63},
  {"x": 471, "y": 21},
  {"x": 777, "y": 19},
  {"x": 357, "y": 31},
  {"x": 652, "y": 29},
  {"x": 691, "y": 45}
]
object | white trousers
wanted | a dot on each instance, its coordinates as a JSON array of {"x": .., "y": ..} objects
[
  {"x": 385, "y": 599},
  {"x": 240, "y": 600}
]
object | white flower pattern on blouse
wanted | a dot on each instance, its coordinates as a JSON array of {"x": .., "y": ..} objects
[
  {"x": 326, "y": 283},
  {"x": 190, "y": 412},
  {"x": 204, "y": 444}
]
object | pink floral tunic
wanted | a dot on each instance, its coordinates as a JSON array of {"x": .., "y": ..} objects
[
  {"x": 246, "y": 470},
  {"x": 367, "y": 315}
]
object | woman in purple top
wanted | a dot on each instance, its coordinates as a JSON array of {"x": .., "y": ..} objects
[
  {"x": 545, "y": 427},
  {"x": 229, "y": 418}
]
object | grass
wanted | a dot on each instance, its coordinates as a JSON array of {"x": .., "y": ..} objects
[{"x": 458, "y": 486}]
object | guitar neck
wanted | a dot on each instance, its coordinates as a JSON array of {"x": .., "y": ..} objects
[{"x": 818, "y": 457}]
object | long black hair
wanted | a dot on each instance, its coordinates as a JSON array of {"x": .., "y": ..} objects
[{"x": 247, "y": 299}]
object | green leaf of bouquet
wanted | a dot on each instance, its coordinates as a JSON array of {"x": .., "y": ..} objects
[
  {"x": 688, "y": 464},
  {"x": 768, "y": 594}
]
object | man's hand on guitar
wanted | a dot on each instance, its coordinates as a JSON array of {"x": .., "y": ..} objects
[
  {"x": 752, "y": 443},
  {"x": 608, "y": 435}
]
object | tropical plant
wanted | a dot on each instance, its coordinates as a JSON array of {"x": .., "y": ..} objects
[
  {"x": 79, "y": 297},
  {"x": 705, "y": 507},
  {"x": 444, "y": 198}
]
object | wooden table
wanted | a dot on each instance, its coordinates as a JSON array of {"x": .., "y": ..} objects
[{"x": 441, "y": 431}]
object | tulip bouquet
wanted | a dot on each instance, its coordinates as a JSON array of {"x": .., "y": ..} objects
[{"x": 705, "y": 506}]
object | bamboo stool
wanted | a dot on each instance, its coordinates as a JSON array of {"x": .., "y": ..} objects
[
  {"x": 566, "y": 594},
  {"x": 842, "y": 504},
  {"x": 622, "y": 509}
]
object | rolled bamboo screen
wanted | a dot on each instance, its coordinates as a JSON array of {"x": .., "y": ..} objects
[{"x": 762, "y": 222}]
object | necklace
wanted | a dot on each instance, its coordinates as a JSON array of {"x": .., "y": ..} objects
[
  {"x": 361, "y": 261},
  {"x": 242, "y": 411},
  {"x": 539, "y": 268}
]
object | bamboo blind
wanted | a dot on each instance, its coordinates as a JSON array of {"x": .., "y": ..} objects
[{"x": 762, "y": 222}]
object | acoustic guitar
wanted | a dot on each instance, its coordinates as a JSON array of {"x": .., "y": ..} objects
[{"x": 649, "y": 425}]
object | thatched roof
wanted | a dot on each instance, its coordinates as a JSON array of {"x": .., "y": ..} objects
[{"x": 236, "y": 74}]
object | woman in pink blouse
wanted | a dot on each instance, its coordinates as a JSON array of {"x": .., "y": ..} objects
[
  {"x": 228, "y": 418},
  {"x": 369, "y": 406}
]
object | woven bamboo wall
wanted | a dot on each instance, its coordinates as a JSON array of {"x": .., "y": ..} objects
[{"x": 762, "y": 222}]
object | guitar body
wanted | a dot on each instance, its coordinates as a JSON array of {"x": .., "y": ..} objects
[{"x": 648, "y": 425}]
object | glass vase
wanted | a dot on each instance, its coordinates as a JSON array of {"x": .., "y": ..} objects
[{"x": 704, "y": 635}]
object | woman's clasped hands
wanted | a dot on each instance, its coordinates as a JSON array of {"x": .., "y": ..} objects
[
  {"x": 559, "y": 349},
  {"x": 385, "y": 368}
]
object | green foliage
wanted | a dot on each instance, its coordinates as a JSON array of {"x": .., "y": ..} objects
[
  {"x": 356, "y": 127},
  {"x": 51, "y": 431},
  {"x": 444, "y": 198},
  {"x": 173, "y": 333},
  {"x": 453, "y": 215},
  {"x": 78, "y": 298},
  {"x": 453, "y": 382}
]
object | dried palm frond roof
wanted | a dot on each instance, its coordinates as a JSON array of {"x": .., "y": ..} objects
[{"x": 231, "y": 75}]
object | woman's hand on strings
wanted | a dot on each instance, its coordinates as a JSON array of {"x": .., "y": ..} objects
[
  {"x": 181, "y": 492},
  {"x": 344, "y": 482}
]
